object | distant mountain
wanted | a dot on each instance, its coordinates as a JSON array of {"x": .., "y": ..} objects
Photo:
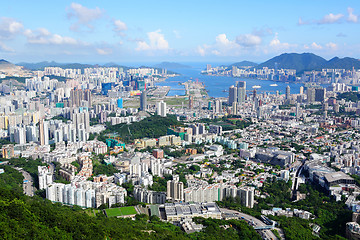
[
  {"x": 6, "y": 64},
  {"x": 42, "y": 65},
  {"x": 309, "y": 61},
  {"x": 345, "y": 63},
  {"x": 171, "y": 65},
  {"x": 300, "y": 62},
  {"x": 244, "y": 64}
]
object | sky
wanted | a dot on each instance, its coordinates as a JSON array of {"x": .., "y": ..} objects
[{"x": 178, "y": 31}]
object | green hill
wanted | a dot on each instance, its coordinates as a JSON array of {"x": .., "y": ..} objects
[
  {"x": 309, "y": 61},
  {"x": 300, "y": 62},
  {"x": 151, "y": 127}
]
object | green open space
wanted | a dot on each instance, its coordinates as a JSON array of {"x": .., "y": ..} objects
[{"x": 123, "y": 211}]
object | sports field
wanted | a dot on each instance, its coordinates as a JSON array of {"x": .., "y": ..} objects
[{"x": 123, "y": 211}]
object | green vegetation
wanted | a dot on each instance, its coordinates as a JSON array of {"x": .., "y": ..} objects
[
  {"x": 29, "y": 165},
  {"x": 151, "y": 127},
  {"x": 160, "y": 183},
  {"x": 349, "y": 96},
  {"x": 5, "y": 141},
  {"x": 123, "y": 211},
  {"x": 60, "y": 117},
  {"x": 19, "y": 79},
  {"x": 59, "y": 78},
  {"x": 58, "y": 177},
  {"x": 23, "y": 217},
  {"x": 102, "y": 168},
  {"x": 330, "y": 215},
  {"x": 11, "y": 178},
  {"x": 222, "y": 229}
]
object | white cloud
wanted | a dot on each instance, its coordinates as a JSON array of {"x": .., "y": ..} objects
[
  {"x": 4, "y": 48},
  {"x": 156, "y": 41},
  {"x": 119, "y": 27},
  {"x": 83, "y": 15},
  {"x": 352, "y": 17},
  {"x": 201, "y": 51},
  {"x": 331, "y": 18},
  {"x": 177, "y": 33},
  {"x": 248, "y": 40},
  {"x": 316, "y": 46},
  {"x": 9, "y": 28},
  {"x": 104, "y": 51},
  {"x": 332, "y": 46},
  {"x": 277, "y": 45},
  {"x": 302, "y": 22},
  {"x": 44, "y": 36}
]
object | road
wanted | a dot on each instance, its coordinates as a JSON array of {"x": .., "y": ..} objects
[
  {"x": 295, "y": 181},
  {"x": 28, "y": 182},
  {"x": 265, "y": 234}
]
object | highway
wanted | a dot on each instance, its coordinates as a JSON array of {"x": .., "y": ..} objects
[
  {"x": 28, "y": 182},
  {"x": 253, "y": 221}
]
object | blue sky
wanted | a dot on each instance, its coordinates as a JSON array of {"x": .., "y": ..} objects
[{"x": 182, "y": 31}]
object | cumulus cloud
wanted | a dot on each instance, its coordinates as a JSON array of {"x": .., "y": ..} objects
[
  {"x": 44, "y": 36},
  {"x": 351, "y": 16},
  {"x": 248, "y": 40},
  {"x": 332, "y": 46},
  {"x": 314, "y": 45},
  {"x": 277, "y": 45},
  {"x": 156, "y": 41},
  {"x": 84, "y": 16},
  {"x": 104, "y": 51},
  {"x": 331, "y": 18},
  {"x": 9, "y": 28},
  {"x": 119, "y": 27}
]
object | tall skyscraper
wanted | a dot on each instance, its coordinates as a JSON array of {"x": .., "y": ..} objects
[
  {"x": 310, "y": 95},
  {"x": 44, "y": 132},
  {"x": 161, "y": 108},
  {"x": 241, "y": 91},
  {"x": 232, "y": 94},
  {"x": 191, "y": 102},
  {"x": 218, "y": 106},
  {"x": 175, "y": 189},
  {"x": 143, "y": 102},
  {"x": 287, "y": 96},
  {"x": 320, "y": 94}
]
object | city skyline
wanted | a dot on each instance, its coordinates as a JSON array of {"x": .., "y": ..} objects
[{"x": 140, "y": 31}]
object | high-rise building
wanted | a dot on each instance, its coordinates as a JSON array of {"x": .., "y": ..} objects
[
  {"x": 310, "y": 95},
  {"x": 175, "y": 189},
  {"x": 143, "y": 102},
  {"x": 246, "y": 195},
  {"x": 232, "y": 94},
  {"x": 161, "y": 108},
  {"x": 218, "y": 106},
  {"x": 301, "y": 90},
  {"x": 234, "y": 108},
  {"x": 287, "y": 95},
  {"x": 241, "y": 91},
  {"x": 320, "y": 94},
  {"x": 45, "y": 177},
  {"x": 191, "y": 102}
]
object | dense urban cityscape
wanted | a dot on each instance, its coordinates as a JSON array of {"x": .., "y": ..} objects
[{"x": 106, "y": 142}]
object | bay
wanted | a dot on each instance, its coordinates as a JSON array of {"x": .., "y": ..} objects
[{"x": 218, "y": 86}]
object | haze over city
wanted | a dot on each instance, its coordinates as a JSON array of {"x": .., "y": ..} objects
[{"x": 150, "y": 31}]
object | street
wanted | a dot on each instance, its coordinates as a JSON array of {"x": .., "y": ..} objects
[
  {"x": 28, "y": 182},
  {"x": 265, "y": 234}
]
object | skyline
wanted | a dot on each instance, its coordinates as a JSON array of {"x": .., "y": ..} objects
[{"x": 140, "y": 31}]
